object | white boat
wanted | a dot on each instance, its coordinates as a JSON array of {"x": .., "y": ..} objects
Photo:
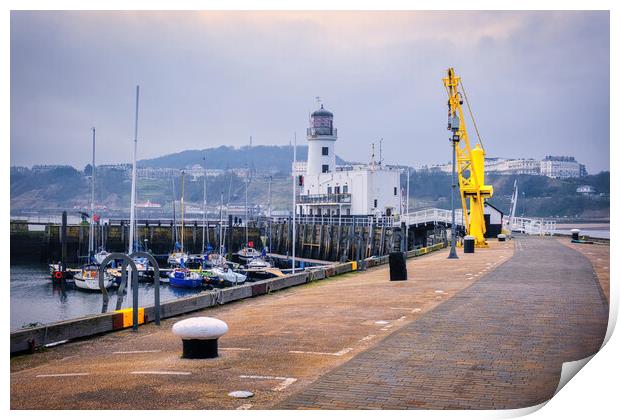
[
  {"x": 258, "y": 263},
  {"x": 88, "y": 278},
  {"x": 214, "y": 260},
  {"x": 226, "y": 274},
  {"x": 177, "y": 258},
  {"x": 247, "y": 254}
]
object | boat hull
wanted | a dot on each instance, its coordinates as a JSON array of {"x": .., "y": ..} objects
[
  {"x": 92, "y": 284},
  {"x": 229, "y": 276},
  {"x": 187, "y": 280}
]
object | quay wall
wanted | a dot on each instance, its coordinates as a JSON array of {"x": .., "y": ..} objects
[
  {"x": 44, "y": 245},
  {"x": 30, "y": 339},
  {"x": 325, "y": 242}
]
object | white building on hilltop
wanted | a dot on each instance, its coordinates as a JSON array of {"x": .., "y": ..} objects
[
  {"x": 350, "y": 190},
  {"x": 561, "y": 167}
]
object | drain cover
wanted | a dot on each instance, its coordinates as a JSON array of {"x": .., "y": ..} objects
[{"x": 241, "y": 394}]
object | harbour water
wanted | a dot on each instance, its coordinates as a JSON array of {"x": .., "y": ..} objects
[
  {"x": 594, "y": 230},
  {"x": 35, "y": 299}
]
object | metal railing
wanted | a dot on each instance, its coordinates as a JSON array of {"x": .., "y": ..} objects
[
  {"x": 531, "y": 226},
  {"x": 433, "y": 215},
  {"x": 370, "y": 220},
  {"x": 341, "y": 198}
]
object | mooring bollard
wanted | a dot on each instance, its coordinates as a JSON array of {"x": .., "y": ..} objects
[
  {"x": 398, "y": 266},
  {"x": 575, "y": 234},
  {"x": 468, "y": 244},
  {"x": 501, "y": 237},
  {"x": 200, "y": 336}
]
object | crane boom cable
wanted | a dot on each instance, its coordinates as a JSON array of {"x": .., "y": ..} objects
[{"x": 471, "y": 114}]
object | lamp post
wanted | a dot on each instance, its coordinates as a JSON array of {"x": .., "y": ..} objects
[
  {"x": 452, "y": 255},
  {"x": 453, "y": 125}
]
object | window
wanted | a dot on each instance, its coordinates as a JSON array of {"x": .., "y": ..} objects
[
  {"x": 329, "y": 190},
  {"x": 345, "y": 189},
  {"x": 337, "y": 190},
  {"x": 325, "y": 151},
  {"x": 375, "y": 203},
  {"x": 348, "y": 212},
  {"x": 395, "y": 190},
  {"x": 325, "y": 168}
]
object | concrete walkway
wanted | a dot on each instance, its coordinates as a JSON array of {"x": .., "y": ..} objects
[{"x": 498, "y": 344}]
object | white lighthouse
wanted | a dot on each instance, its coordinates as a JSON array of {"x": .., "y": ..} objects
[
  {"x": 371, "y": 189},
  {"x": 322, "y": 137}
]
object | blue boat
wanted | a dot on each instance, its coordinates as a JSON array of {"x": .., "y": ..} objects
[{"x": 182, "y": 277}]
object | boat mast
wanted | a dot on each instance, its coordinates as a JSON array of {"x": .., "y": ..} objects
[
  {"x": 247, "y": 181},
  {"x": 91, "y": 231},
  {"x": 221, "y": 222},
  {"x": 174, "y": 216},
  {"x": 182, "y": 208},
  {"x": 294, "y": 198},
  {"x": 204, "y": 204},
  {"x": 132, "y": 211},
  {"x": 269, "y": 212}
]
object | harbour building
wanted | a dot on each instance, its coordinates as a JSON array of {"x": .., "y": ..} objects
[{"x": 371, "y": 189}]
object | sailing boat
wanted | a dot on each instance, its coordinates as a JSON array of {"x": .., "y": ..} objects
[
  {"x": 134, "y": 245},
  {"x": 178, "y": 257},
  {"x": 102, "y": 254},
  {"x": 88, "y": 277},
  {"x": 248, "y": 252},
  {"x": 182, "y": 276}
]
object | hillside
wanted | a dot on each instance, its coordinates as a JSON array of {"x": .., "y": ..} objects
[
  {"x": 539, "y": 196},
  {"x": 279, "y": 158},
  {"x": 69, "y": 188}
]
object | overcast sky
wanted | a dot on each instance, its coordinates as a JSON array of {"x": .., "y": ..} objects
[{"x": 538, "y": 82}]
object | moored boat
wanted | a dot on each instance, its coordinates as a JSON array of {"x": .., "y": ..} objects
[
  {"x": 88, "y": 278},
  {"x": 228, "y": 275},
  {"x": 247, "y": 254},
  {"x": 258, "y": 263},
  {"x": 183, "y": 277}
]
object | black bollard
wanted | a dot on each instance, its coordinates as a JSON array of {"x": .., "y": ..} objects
[
  {"x": 398, "y": 266},
  {"x": 468, "y": 244}
]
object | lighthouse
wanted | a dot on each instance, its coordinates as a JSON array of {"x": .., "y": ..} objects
[
  {"x": 322, "y": 138},
  {"x": 371, "y": 189}
]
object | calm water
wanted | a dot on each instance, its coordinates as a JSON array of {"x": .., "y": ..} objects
[
  {"x": 35, "y": 299},
  {"x": 596, "y": 231}
]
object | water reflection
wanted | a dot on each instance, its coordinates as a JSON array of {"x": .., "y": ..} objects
[{"x": 35, "y": 299}]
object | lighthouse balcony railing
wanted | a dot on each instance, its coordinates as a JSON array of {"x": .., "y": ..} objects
[{"x": 343, "y": 198}]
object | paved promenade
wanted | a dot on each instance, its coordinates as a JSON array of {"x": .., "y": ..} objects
[
  {"x": 277, "y": 345},
  {"x": 498, "y": 344},
  {"x": 489, "y": 330}
]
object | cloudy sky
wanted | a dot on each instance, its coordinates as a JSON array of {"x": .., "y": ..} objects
[{"x": 538, "y": 82}]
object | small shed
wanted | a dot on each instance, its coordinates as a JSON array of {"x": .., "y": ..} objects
[{"x": 493, "y": 220}]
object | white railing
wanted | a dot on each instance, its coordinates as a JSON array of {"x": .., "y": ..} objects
[
  {"x": 531, "y": 226},
  {"x": 433, "y": 215}
]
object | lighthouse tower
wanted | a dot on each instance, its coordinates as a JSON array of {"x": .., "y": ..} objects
[{"x": 321, "y": 137}]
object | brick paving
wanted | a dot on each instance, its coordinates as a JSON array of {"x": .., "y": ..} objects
[
  {"x": 498, "y": 344},
  {"x": 299, "y": 333}
]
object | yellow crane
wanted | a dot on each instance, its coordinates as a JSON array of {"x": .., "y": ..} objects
[{"x": 469, "y": 162}]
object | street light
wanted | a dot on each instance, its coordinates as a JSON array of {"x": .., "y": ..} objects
[{"x": 455, "y": 139}]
